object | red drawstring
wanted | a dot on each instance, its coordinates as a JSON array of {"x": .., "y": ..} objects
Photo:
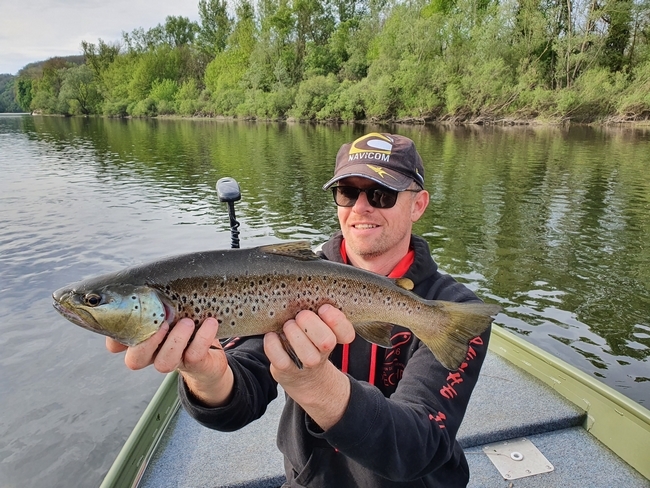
[
  {"x": 346, "y": 357},
  {"x": 373, "y": 364}
]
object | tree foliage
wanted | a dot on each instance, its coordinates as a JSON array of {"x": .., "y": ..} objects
[
  {"x": 365, "y": 59},
  {"x": 8, "y": 98}
]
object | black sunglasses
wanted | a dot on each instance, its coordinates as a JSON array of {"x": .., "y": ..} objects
[{"x": 378, "y": 197}]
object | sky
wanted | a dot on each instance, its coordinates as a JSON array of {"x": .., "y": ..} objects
[{"x": 35, "y": 30}]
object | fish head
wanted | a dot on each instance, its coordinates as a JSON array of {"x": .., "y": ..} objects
[{"x": 127, "y": 313}]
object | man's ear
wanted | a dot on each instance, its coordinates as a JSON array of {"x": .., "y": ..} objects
[{"x": 419, "y": 205}]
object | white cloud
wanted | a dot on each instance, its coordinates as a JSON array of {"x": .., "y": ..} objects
[{"x": 34, "y": 30}]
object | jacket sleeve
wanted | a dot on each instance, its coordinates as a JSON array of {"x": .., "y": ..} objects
[
  {"x": 254, "y": 389},
  {"x": 413, "y": 432}
]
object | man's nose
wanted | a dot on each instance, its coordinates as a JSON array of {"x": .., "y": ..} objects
[{"x": 362, "y": 204}]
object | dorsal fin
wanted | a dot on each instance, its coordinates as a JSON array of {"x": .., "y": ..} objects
[
  {"x": 298, "y": 249},
  {"x": 405, "y": 283}
]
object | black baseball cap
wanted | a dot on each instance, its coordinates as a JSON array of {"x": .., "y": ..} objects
[{"x": 388, "y": 159}]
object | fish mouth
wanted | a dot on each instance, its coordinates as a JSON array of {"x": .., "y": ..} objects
[{"x": 69, "y": 314}]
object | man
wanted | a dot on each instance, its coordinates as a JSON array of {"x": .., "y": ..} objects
[{"x": 356, "y": 415}]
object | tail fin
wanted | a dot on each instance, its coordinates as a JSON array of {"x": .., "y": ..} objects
[{"x": 461, "y": 322}]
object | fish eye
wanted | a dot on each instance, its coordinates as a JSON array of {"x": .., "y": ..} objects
[{"x": 92, "y": 299}]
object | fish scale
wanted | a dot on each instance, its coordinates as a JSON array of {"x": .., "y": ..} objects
[{"x": 255, "y": 291}]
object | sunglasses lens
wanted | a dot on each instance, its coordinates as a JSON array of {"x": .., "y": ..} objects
[
  {"x": 380, "y": 198},
  {"x": 347, "y": 196}
]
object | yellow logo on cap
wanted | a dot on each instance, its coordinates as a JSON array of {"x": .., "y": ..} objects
[
  {"x": 373, "y": 142},
  {"x": 380, "y": 171}
]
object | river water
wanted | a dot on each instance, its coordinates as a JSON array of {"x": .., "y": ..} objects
[{"x": 552, "y": 223}]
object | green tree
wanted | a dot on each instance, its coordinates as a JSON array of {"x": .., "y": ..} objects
[
  {"x": 179, "y": 31},
  {"x": 618, "y": 16},
  {"x": 8, "y": 101},
  {"x": 215, "y": 27},
  {"x": 229, "y": 66},
  {"x": 79, "y": 90},
  {"x": 24, "y": 93},
  {"x": 46, "y": 87},
  {"x": 100, "y": 56}
]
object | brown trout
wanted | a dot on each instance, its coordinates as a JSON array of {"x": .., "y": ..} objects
[{"x": 255, "y": 291}]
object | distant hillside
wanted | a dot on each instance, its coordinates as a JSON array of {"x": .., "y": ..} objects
[{"x": 38, "y": 65}]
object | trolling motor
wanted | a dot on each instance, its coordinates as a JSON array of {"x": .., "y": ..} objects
[{"x": 228, "y": 191}]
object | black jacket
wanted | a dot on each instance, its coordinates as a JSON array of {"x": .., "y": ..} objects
[{"x": 399, "y": 432}]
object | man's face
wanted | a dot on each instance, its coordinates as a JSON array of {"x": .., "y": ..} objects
[{"x": 371, "y": 232}]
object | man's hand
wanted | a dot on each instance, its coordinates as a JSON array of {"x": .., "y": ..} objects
[
  {"x": 321, "y": 389},
  {"x": 204, "y": 367}
]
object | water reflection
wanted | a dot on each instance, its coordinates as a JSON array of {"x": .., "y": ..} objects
[{"x": 554, "y": 224}]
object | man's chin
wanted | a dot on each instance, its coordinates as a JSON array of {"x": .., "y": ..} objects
[{"x": 365, "y": 250}]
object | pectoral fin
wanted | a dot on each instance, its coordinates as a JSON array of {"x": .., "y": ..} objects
[{"x": 376, "y": 332}]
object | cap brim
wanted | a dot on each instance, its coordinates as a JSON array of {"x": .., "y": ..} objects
[{"x": 385, "y": 177}]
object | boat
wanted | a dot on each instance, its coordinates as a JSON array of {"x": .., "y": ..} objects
[
  {"x": 533, "y": 421},
  {"x": 568, "y": 428}
]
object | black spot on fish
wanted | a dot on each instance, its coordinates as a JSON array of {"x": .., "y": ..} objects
[
  {"x": 232, "y": 323},
  {"x": 205, "y": 284},
  {"x": 226, "y": 310},
  {"x": 299, "y": 279},
  {"x": 209, "y": 314},
  {"x": 196, "y": 321},
  {"x": 134, "y": 297},
  {"x": 136, "y": 307},
  {"x": 155, "y": 322},
  {"x": 184, "y": 298},
  {"x": 197, "y": 310},
  {"x": 220, "y": 321},
  {"x": 241, "y": 313}
]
